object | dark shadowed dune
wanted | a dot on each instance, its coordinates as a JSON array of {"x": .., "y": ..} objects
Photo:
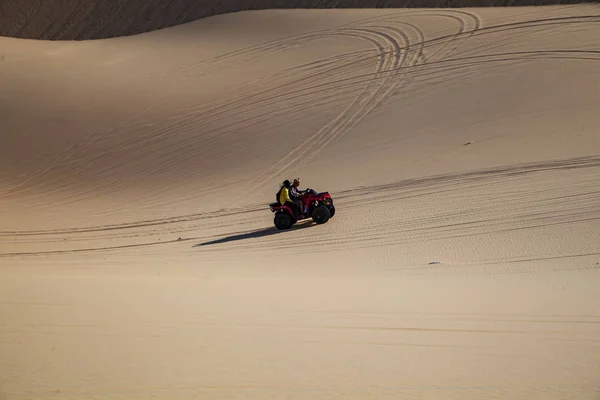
[{"x": 95, "y": 19}]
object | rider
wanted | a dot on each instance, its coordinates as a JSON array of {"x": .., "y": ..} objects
[
  {"x": 296, "y": 194},
  {"x": 284, "y": 197}
]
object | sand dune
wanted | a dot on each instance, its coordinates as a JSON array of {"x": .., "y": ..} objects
[
  {"x": 96, "y": 19},
  {"x": 139, "y": 257}
]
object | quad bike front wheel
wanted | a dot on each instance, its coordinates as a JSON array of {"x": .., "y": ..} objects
[
  {"x": 283, "y": 220},
  {"x": 320, "y": 215}
]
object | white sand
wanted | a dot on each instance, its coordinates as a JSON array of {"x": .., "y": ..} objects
[{"x": 111, "y": 150}]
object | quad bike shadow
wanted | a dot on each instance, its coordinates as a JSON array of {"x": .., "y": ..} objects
[{"x": 259, "y": 233}]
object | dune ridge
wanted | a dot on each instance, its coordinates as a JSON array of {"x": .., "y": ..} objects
[{"x": 98, "y": 19}]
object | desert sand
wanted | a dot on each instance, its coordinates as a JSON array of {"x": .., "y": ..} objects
[{"x": 461, "y": 146}]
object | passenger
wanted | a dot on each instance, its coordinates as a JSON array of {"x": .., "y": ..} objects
[{"x": 284, "y": 198}]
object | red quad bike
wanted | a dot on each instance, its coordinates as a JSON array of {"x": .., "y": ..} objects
[{"x": 319, "y": 205}]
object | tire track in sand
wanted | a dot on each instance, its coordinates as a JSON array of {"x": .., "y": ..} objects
[
  {"x": 337, "y": 127},
  {"x": 192, "y": 122},
  {"x": 384, "y": 79},
  {"x": 390, "y": 58},
  {"x": 541, "y": 206}
]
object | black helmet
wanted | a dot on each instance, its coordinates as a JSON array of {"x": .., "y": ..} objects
[{"x": 287, "y": 183}]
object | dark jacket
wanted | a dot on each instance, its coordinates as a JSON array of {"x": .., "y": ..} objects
[{"x": 295, "y": 193}]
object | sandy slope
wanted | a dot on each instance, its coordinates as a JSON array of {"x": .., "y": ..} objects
[{"x": 138, "y": 255}]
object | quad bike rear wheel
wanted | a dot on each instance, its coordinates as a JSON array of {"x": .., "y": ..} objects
[
  {"x": 283, "y": 220},
  {"x": 320, "y": 215}
]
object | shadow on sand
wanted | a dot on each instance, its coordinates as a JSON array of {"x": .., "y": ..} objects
[{"x": 256, "y": 234}]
